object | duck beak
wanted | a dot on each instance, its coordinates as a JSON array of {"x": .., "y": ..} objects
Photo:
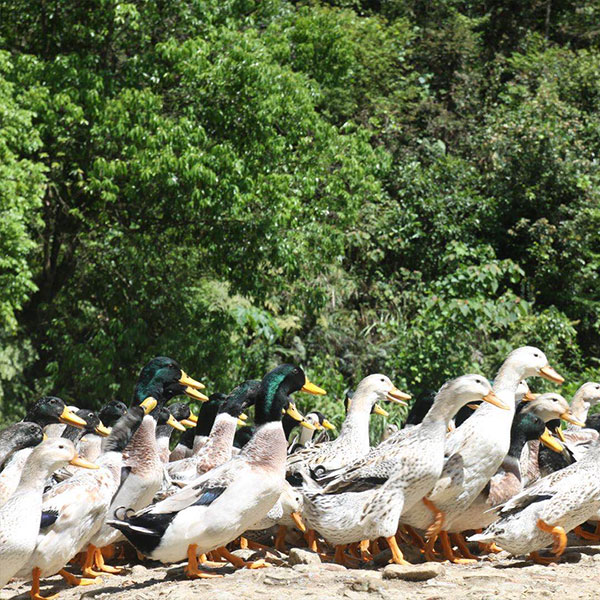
[
  {"x": 298, "y": 521},
  {"x": 103, "y": 431},
  {"x": 328, "y": 425},
  {"x": 529, "y": 396},
  {"x": 149, "y": 404},
  {"x": 243, "y": 417},
  {"x": 473, "y": 406},
  {"x": 493, "y": 399},
  {"x": 70, "y": 418},
  {"x": 240, "y": 422},
  {"x": 188, "y": 423},
  {"x": 293, "y": 412},
  {"x": 195, "y": 394},
  {"x": 311, "y": 388},
  {"x": 193, "y": 418},
  {"x": 175, "y": 424},
  {"x": 550, "y": 374},
  {"x": 550, "y": 442},
  {"x": 77, "y": 461},
  {"x": 569, "y": 418},
  {"x": 308, "y": 425},
  {"x": 185, "y": 379},
  {"x": 44, "y": 437},
  {"x": 560, "y": 434},
  {"x": 395, "y": 395},
  {"x": 380, "y": 411}
]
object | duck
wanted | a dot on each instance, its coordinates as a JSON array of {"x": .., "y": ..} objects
[
  {"x": 171, "y": 418},
  {"x": 220, "y": 505},
  {"x": 353, "y": 441},
  {"x": 475, "y": 450},
  {"x": 143, "y": 472},
  {"x": 508, "y": 480},
  {"x": 388, "y": 431},
  {"x": 17, "y": 437},
  {"x": 218, "y": 448},
  {"x": 551, "y": 408},
  {"x": 543, "y": 513},
  {"x": 90, "y": 446},
  {"x": 192, "y": 441},
  {"x": 74, "y": 510},
  {"x": 20, "y": 515},
  {"x": 46, "y": 411},
  {"x": 94, "y": 428},
  {"x": 367, "y": 500}
]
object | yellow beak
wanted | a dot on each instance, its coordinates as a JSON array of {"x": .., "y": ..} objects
[
  {"x": 293, "y": 412},
  {"x": 77, "y": 461},
  {"x": 185, "y": 379},
  {"x": 103, "y": 431},
  {"x": 311, "y": 388},
  {"x": 243, "y": 417},
  {"x": 195, "y": 394},
  {"x": 71, "y": 419},
  {"x": 493, "y": 399},
  {"x": 175, "y": 424},
  {"x": 328, "y": 425},
  {"x": 240, "y": 422},
  {"x": 380, "y": 411},
  {"x": 473, "y": 406},
  {"x": 308, "y": 425},
  {"x": 193, "y": 418},
  {"x": 149, "y": 404},
  {"x": 571, "y": 419},
  {"x": 188, "y": 423},
  {"x": 529, "y": 396},
  {"x": 550, "y": 374},
  {"x": 395, "y": 395},
  {"x": 550, "y": 442},
  {"x": 298, "y": 521}
]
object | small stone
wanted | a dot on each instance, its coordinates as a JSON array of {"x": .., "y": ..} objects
[
  {"x": 413, "y": 572},
  {"x": 301, "y": 556},
  {"x": 138, "y": 570},
  {"x": 244, "y": 553}
]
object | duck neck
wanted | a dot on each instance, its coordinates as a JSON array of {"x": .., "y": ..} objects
[
  {"x": 442, "y": 410},
  {"x": 33, "y": 476},
  {"x": 220, "y": 440},
  {"x": 305, "y": 435},
  {"x": 580, "y": 408},
  {"x": 267, "y": 448},
  {"x": 356, "y": 423},
  {"x": 142, "y": 449}
]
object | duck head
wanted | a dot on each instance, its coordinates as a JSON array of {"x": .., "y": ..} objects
[
  {"x": 51, "y": 409},
  {"x": 111, "y": 412},
  {"x": 275, "y": 390}
]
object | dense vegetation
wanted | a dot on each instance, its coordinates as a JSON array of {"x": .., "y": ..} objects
[{"x": 405, "y": 187}]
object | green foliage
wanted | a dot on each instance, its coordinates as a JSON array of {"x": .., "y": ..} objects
[{"x": 356, "y": 187}]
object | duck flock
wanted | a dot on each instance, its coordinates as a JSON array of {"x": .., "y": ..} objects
[{"x": 478, "y": 462}]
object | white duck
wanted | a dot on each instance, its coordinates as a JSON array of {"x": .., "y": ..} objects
[
  {"x": 21, "y": 514},
  {"x": 476, "y": 449}
]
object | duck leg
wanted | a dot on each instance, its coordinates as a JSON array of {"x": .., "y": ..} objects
[
  {"x": 459, "y": 540},
  {"x": 449, "y": 552},
  {"x": 341, "y": 558},
  {"x": 311, "y": 540},
  {"x": 88, "y": 564},
  {"x": 397, "y": 556},
  {"x": 102, "y": 566},
  {"x": 280, "y": 538},
  {"x": 588, "y": 535},
  {"x": 365, "y": 553},
  {"x": 191, "y": 569},
  {"x": 541, "y": 560},
  {"x": 558, "y": 534},
  {"x": 238, "y": 562},
  {"x": 74, "y": 580},
  {"x": 34, "y": 593},
  {"x": 434, "y": 529}
]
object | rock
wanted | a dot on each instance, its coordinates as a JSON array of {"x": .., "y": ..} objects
[
  {"x": 301, "y": 556},
  {"x": 138, "y": 571},
  {"x": 244, "y": 553},
  {"x": 413, "y": 572}
]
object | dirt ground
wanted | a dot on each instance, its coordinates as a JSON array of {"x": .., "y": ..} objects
[{"x": 577, "y": 577}]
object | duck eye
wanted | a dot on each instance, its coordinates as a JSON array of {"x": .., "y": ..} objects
[{"x": 536, "y": 354}]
